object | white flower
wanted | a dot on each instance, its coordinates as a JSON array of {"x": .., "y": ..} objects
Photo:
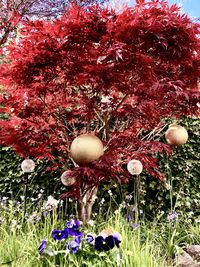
[
  {"x": 110, "y": 192},
  {"x": 167, "y": 186},
  {"x": 14, "y": 225},
  {"x": 13, "y": 222},
  {"x": 172, "y": 216},
  {"x": 102, "y": 201},
  {"x": 91, "y": 223},
  {"x": 123, "y": 205},
  {"x": 61, "y": 202},
  {"x": 51, "y": 203},
  {"x": 129, "y": 197}
]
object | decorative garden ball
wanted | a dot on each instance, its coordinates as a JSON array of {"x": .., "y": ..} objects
[
  {"x": 86, "y": 148},
  {"x": 28, "y": 165},
  {"x": 135, "y": 167},
  {"x": 67, "y": 178},
  {"x": 176, "y": 135}
]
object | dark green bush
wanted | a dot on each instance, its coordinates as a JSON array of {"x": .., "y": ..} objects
[
  {"x": 181, "y": 170},
  {"x": 12, "y": 177},
  {"x": 181, "y": 191}
]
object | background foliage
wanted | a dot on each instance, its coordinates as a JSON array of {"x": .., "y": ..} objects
[
  {"x": 180, "y": 191},
  {"x": 182, "y": 177}
]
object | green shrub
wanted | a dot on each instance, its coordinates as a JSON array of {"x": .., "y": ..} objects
[
  {"x": 181, "y": 190},
  {"x": 12, "y": 177}
]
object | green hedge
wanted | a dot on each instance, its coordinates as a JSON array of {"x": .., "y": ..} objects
[
  {"x": 12, "y": 177},
  {"x": 181, "y": 191},
  {"x": 181, "y": 169}
]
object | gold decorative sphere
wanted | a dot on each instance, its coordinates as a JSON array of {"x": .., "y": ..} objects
[
  {"x": 176, "y": 135},
  {"x": 86, "y": 148}
]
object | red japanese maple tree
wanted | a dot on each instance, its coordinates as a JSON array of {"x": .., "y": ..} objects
[
  {"x": 112, "y": 73},
  {"x": 12, "y": 12}
]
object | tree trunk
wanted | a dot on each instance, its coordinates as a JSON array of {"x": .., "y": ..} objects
[{"x": 85, "y": 204}]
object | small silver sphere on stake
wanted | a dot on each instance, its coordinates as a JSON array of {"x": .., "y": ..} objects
[
  {"x": 28, "y": 165},
  {"x": 86, "y": 148},
  {"x": 67, "y": 178},
  {"x": 176, "y": 135},
  {"x": 135, "y": 167}
]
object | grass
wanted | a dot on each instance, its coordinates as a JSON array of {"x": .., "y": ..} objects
[{"x": 152, "y": 244}]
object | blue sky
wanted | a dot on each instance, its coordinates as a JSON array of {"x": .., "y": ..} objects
[{"x": 191, "y": 7}]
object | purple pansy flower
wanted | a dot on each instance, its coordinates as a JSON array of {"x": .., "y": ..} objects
[
  {"x": 78, "y": 238},
  {"x": 73, "y": 246},
  {"x": 73, "y": 228},
  {"x": 106, "y": 242},
  {"x": 60, "y": 234},
  {"x": 42, "y": 246},
  {"x": 90, "y": 238},
  {"x": 117, "y": 238},
  {"x": 73, "y": 232},
  {"x": 75, "y": 224}
]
